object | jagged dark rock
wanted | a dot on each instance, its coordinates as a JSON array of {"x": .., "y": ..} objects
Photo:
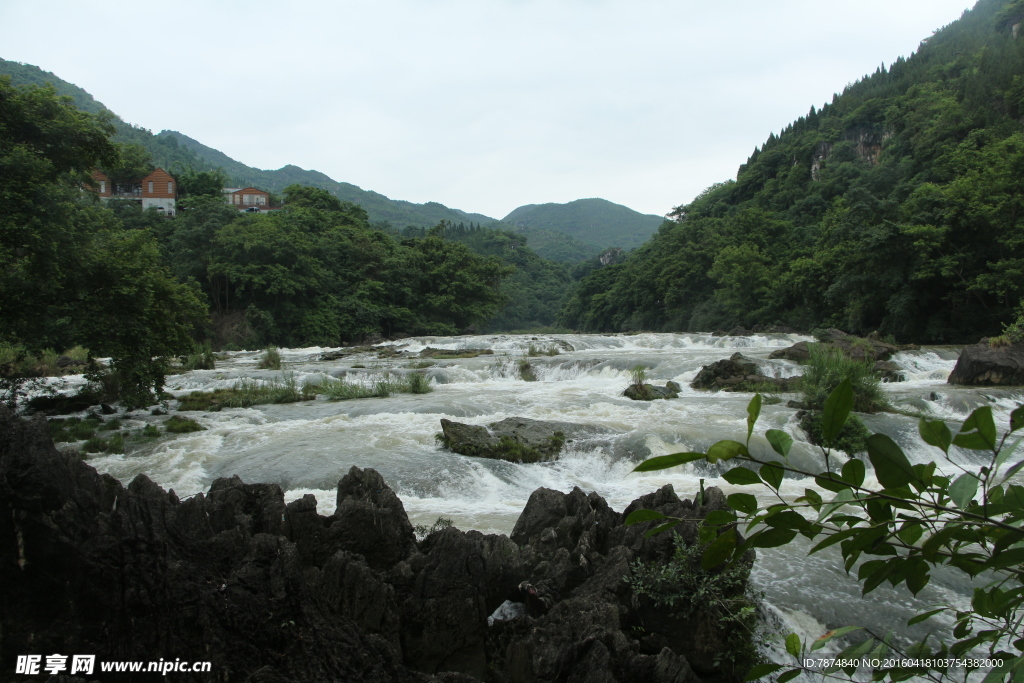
[
  {"x": 276, "y": 593},
  {"x": 739, "y": 373},
  {"x": 986, "y": 365}
]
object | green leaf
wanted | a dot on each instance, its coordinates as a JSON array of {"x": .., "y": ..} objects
[
  {"x": 788, "y": 676},
  {"x": 772, "y": 474},
  {"x": 910, "y": 533},
  {"x": 838, "y": 501},
  {"x": 787, "y": 519},
  {"x": 753, "y": 412},
  {"x": 853, "y": 472},
  {"x": 963, "y": 489},
  {"x": 998, "y": 673},
  {"x": 663, "y": 462},
  {"x": 744, "y": 502},
  {"x": 780, "y": 441},
  {"x": 1007, "y": 558},
  {"x": 978, "y": 432},
  {"x": 719, "y": 518},
  {"x": 1017, "y": 419},
  {"x": 637, "y": 516},
  {"x": 924, "y": 615},
  {"x": 835, "y": 538},
  {"x": 793, "y": 644},
  {"x": 812, "y": 496},
  {"x": 761, "y": 670},
  {"x": 718, "y": 550},
  {"x": 891, "y": 466},
  {"x": 837, "y": 408},
  {"x": 1006, "y": 452},
  {"x": 822, "y": 641},
  {"x": 935, "y": 433},
  {"x": 830, "y": 481},
  {"x": 874, "y": 578},
  {"x": 917, "y": 580},
  {"x": 661, "y": 528},
  {"x": 772, "y": 538},
  {"x": 741, "y": 476},
  {"x": 726, "y": 450}
]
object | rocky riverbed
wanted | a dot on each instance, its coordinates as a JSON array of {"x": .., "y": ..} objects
[{"x": 272, "y": 592}]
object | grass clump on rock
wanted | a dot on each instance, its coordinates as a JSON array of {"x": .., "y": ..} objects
[
  {"x": 182, "y": 425},
  {"x": 526, "y": 372},
  {"x": 270, "y": 360},
  {"x": 825, "y": 370},
  {"x": 247, "y": 392}
]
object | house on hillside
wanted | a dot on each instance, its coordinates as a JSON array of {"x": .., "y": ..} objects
[
  {"x": 247, "y": 198},
  {"x": 157, "y": 190}
]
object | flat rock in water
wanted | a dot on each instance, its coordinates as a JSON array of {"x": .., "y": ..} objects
[
  {"x": 984, "y": 365},
  {"x": 869, "y": 348},
  {"x": 650, "y": 392},
  {"x": 516, "y": 439}
]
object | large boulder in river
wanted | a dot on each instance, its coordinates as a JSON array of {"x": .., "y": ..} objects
[
  {"x": 870, "y": 348},
  {"x": 515, "y": 439},
  {"x": 740, "y": 373},
  {"x": 985, "y": 365},
  {"x": 650, "y": 392}
]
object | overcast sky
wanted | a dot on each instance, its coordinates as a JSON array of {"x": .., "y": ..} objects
[{"x": 482, "y": 105}]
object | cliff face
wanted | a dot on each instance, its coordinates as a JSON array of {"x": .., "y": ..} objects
[{"x": 274, "y": 592}]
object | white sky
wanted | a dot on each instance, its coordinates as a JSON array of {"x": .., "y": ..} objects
[{"x": 482, "y": 105}]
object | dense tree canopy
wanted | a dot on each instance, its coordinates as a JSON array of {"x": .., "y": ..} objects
[{"x": 70, "y": 271}]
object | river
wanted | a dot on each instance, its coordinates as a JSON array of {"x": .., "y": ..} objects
[{"x": 306, "y": 447}]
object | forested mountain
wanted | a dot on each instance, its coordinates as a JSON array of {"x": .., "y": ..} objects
[
  {"x": 896, "y": 207},
  {"x": 597, "y": 222},
  {"x": 177, "y": 152},
  {"x": 381, "y": 209}
]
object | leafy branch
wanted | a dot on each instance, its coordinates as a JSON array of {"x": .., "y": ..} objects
[{"x": 915, "y": 520}]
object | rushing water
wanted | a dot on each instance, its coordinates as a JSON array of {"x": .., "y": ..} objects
[{"x": 306, "y": 447}]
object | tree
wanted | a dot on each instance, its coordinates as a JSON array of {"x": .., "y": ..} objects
[
  {"x": 192, "y": 183},
  {"x": 917, "y": 519},
  {"x": 133, "y": 164},
  {"x": 70, "y": 272}
]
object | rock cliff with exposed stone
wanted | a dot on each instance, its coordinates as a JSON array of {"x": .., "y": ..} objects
[{"x": 276, "y": 593}]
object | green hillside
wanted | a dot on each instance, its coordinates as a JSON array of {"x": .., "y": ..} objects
[
  {"x": 381, "y": 209},
  {"x": 597, "y": 222},
  {"x": 897, "y": 207},
  {"x": 175, "y": 151}
]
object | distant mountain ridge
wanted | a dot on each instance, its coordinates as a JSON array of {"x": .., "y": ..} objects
[
  {"x": 598, "y": 222},
  {"x": 553, "y": 238}
]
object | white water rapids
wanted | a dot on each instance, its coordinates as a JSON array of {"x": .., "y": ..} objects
[{"x": 307, "y": 447}]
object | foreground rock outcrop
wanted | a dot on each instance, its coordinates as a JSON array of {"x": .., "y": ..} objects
[
  {"x": 270, "y": 592},
  {"x": 739, "y": 373},
  {"x": 985, "y": 365}
]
